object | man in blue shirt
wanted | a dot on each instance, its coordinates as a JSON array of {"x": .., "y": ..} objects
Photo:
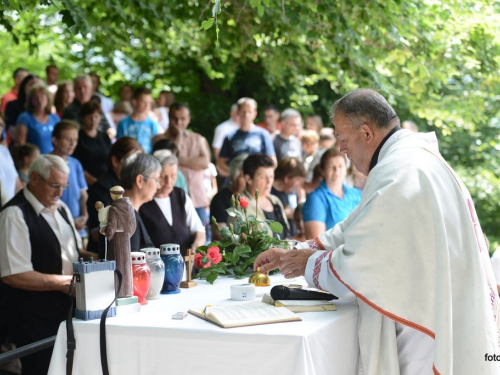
[
  {"x": 138, "y": 125},
  {"x": 248, "y": 139}
]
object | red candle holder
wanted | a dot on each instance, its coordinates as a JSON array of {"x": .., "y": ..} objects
[{"x": 141, "y": 275}]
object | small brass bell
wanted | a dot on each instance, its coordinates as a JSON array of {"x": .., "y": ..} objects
[{"x": 259, "y": 278}]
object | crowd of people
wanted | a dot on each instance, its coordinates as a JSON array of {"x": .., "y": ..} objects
[
  {"x": 65, "y": 146},
  {"x": 94, "y": 135}
]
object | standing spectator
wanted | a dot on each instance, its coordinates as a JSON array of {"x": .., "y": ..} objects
[
  {"x": 165, "y": 144},
  {"x": 222, "y": 130},
  {"x": 248, "y": 139},
  {"x": 8, "y": 174},
  {"x": 52, "y": 76},
  {"x": 126, "y": 93},
  {"x": 140, "y": 177},
  {"x": 65, "y": 138},
  {"x": 194, "y": 156},
  {"x": 138, "y": 125},
  {"x": 288, "y": 179},
  {"x": 37, "y": 123},
  {"x": 314, "y": 122},
  {"x": 310, "y": 142},
  {"x": 222, "y": 200},
  {"x": 326, "y": 141},
  {"x": 38, "y": 246},
  {"x": 19, "y": 75},
  {"x": 271, "y": 119},
  {"x": 93, "y": 146},
  {"x": 99, "y": 191},
  {"x": 120, "y": 111},
  {"x": 259, "y": 175},
  {"x": 64, "y": 96},
  {"x": 16, "y": 107},
  {"x": 171, "y": 217},
  {"x": 24, "y": 156},
  {"x": 332, "y": 201},
  {"x": 286, "y": 144},
  {"x": 106, "y": 103},
  {"x": 165, "y": 100},
  {"x": 82, "y": 85}
]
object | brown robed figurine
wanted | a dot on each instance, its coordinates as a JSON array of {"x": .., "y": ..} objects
[{"x": 119, "y": 228}]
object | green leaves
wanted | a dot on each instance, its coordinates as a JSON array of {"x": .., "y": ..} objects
[
  {"x": 276, "y": 227},
  {"x": 205, "y": 25},
  {"x": 212, "y": 276}
]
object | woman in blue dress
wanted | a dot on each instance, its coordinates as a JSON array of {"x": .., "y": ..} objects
[
  {"x": 35, "y": 125},
  {"x": 332, "y": 201}
]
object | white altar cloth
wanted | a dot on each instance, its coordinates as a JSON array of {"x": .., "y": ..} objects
[{"x": 150, "y": 342}]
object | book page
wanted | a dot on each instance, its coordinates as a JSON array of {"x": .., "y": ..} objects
[{"x": 249, "y": 313}]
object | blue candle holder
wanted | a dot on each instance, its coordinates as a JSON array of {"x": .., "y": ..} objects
[{"x": 174, "y": 268}]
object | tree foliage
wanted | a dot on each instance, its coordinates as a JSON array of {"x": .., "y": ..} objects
[{"x": 436, "y": 61}]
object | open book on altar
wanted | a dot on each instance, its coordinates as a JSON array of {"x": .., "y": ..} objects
[
  {"x": 301, "y": 305},
  {"x": 245, "y": 314}
]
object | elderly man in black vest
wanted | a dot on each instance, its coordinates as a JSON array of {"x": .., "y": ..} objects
[
  {"x": 38, "y": 245},
  {"x": 171, "y": 216}
]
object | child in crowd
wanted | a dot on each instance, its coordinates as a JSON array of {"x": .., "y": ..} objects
[
  {"x": 138, "y": 125},
  {"x": 65, "y": 139},
  {"x": 23, "y": 157}
]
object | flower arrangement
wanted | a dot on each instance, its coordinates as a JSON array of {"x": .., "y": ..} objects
[{"x": 242, "y": 240}]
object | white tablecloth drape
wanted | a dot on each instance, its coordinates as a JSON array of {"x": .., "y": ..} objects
[{"x": 150, "y": 342}]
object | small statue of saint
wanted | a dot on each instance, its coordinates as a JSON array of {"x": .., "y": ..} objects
[{"x": 117, "y": 223}]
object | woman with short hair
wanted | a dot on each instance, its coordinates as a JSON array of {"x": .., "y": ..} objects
[
  {"x": 35, "y": 125},
  {"x": 222, "y": 200},
  {"x": 93, "y": 146},
  {"x": 140, "y": 177},
  {"x": 288, "y": 179},
  {"x": 99, "y": 191},
  {"x": 332, "y": 201},
  {"x": 259, "y": 176},
  {"x": 171, "y": 217}
]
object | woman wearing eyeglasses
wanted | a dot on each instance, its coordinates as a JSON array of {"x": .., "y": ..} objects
[
  {"x": 332, "y": 201},
  {"x": 140, "y": 177},
  {"x": 171, "y": 217}
]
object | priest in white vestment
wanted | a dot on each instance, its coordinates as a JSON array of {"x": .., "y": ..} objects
[{"x": 412, "y": 252}]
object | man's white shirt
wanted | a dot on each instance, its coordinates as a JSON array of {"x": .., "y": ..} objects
[{"x": 15, "y": 246}]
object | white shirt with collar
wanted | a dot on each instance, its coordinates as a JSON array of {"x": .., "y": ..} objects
[{"x": 15, "y": 246}]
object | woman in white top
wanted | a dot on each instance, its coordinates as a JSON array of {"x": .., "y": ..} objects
[{"x": 171, "y": 217}]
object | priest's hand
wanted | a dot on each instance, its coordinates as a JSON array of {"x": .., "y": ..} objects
[
  {"x": 269, "y": 259},
  {"x": 293, "y": 263}
]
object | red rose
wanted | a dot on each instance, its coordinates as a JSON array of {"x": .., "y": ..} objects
[
  {"x": 243, "y": 235},
  {"x": 197, "y": 260},
  {"x": 243, "y": 202},
  {"x": 213, "y": 253}
]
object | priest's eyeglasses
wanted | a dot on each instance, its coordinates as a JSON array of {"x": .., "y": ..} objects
[{"x": 54, "y": 186}]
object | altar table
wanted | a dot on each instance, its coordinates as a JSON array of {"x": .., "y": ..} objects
[{"x": 150, "y": 342}]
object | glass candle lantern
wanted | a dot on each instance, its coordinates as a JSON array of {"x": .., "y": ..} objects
[{"x": 141, "y": 276}]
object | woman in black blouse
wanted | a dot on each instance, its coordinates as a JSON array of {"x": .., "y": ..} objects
[{"x": 93, "y": 146}]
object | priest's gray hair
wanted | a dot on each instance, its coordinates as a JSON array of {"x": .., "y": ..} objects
[
  {"x": 236, "y": 166},
  {"x": 366, "y": 106},
  {"x": 290, "y": 113},
  {"x": 135, "y": 165},
  {"x": 166, "y": 157},
  {"x": 44, "y": 163}
]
